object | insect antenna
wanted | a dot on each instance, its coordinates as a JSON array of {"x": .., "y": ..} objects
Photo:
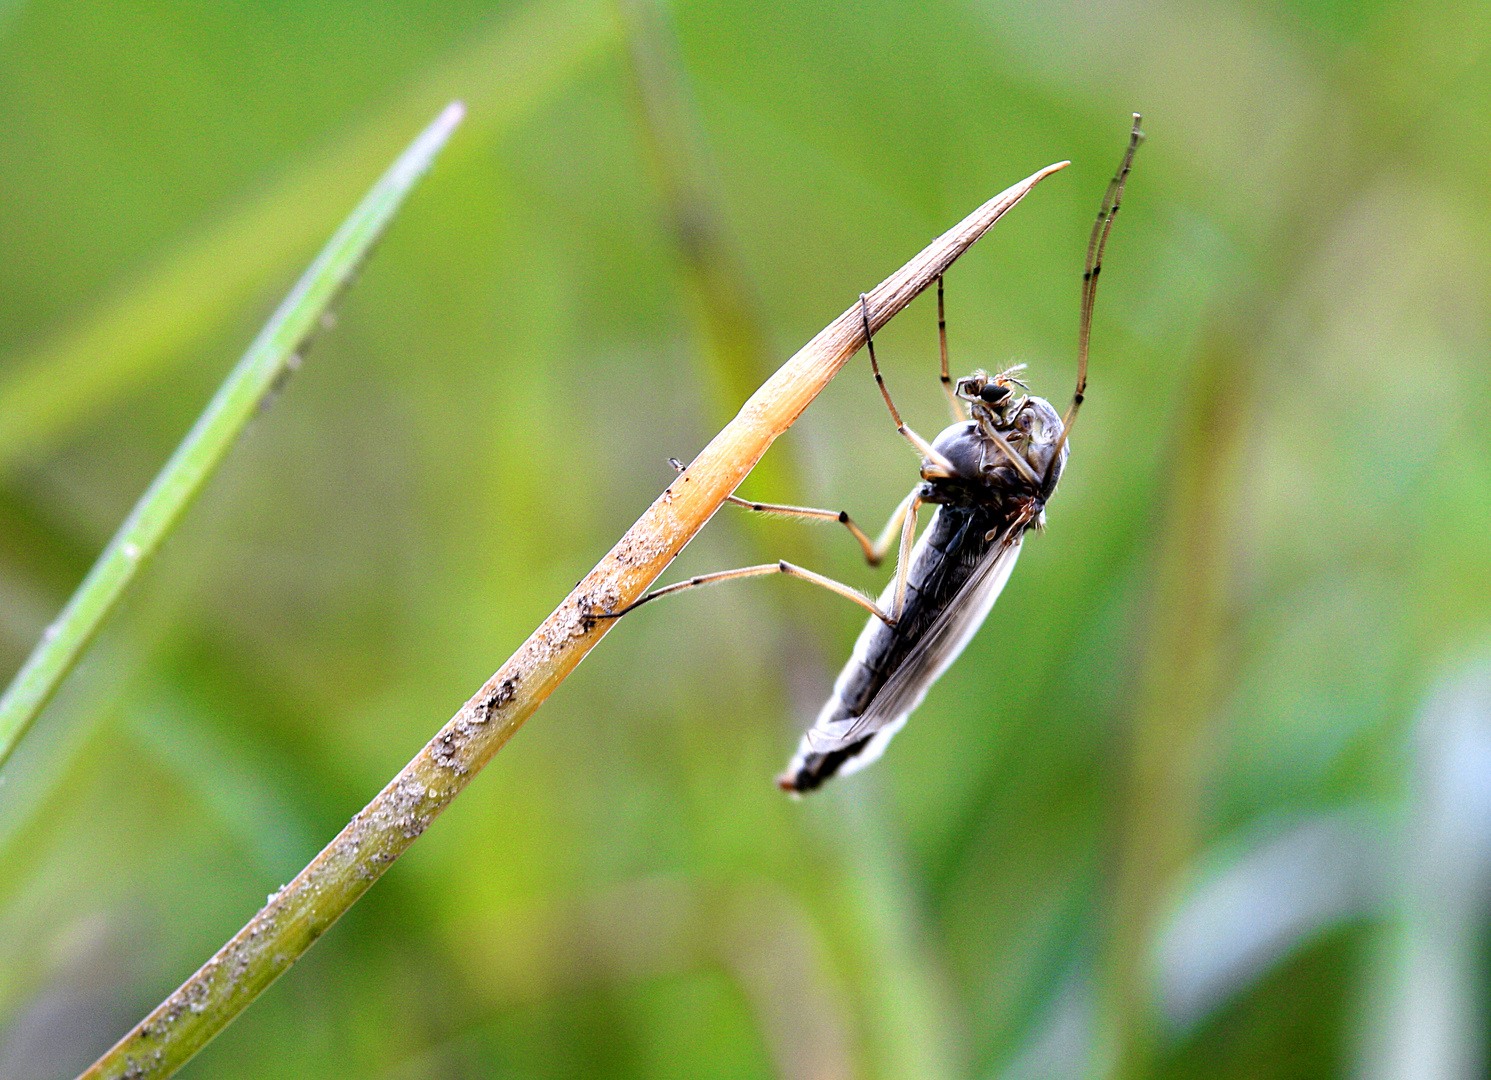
[{"x": 1090, "y": 271}]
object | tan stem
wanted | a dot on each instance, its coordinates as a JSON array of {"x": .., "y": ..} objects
[{"x": 304, "y": 909}]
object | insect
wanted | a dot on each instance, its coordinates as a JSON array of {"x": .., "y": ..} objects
[{"x": 989, "y": 476}]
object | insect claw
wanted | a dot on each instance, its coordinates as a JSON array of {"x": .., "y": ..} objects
[{"x": 589, "y": 616}]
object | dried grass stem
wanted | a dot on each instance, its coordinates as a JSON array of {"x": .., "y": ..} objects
[{"x": 301, "y": 911}]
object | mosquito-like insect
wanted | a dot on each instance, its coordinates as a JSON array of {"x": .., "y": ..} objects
[{"x": 990, "y": 475}]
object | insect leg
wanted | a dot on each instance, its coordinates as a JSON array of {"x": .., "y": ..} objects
[
  {"x": 959, "y": 415},
  {"x": 1020, "y": 464},
  {"x": 781, "y": 566},
  {"x": 903, "y": 564},
  {"x": 940, "y": 466},
  {"x": 875, "y": 550},
  {"x": 887, "y": 534},
  {"x": 1090, "y": 271},
  {"x": 809, "y": 514}
]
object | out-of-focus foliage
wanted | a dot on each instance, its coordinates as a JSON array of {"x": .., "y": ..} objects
[{"x": 1205, "y": 797}]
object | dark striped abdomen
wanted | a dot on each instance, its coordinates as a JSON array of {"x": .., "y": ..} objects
[{"x": 946, "y": 556}]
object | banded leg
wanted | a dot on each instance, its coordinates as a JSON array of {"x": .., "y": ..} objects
[
  {"x": 874, "y": 550},
  {"x": 781, "y": 566},
  {"x": 1096, "y": 242},
  {"x": 959, "y": 413},
  {"x": 940, "y": 466},
  {"x": 903, "y": 520},
  {"x": 907, "y": 514}
]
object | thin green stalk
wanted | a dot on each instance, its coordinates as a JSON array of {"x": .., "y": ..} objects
[
  {"x": 274, "y": 354},
  {"x": 356, "y": 857}
]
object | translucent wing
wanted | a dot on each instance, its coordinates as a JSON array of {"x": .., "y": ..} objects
[{"x": 939, "y": 647}]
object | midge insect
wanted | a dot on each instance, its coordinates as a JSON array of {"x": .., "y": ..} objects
[{"x": 989, "y": 475}]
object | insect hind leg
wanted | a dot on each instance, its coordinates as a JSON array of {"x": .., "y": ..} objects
[{"x": 781, "y": 566}]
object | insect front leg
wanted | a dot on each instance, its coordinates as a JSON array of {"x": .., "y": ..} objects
[
  {"x": 994, "y": 436},
  {"x": 959, "y": 415},
  {"x": 935, "y": 464}
]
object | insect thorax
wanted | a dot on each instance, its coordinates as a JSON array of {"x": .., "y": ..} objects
[{"x": 1028, "y": 426}]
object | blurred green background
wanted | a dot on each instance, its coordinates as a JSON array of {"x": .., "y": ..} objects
[{"x": 1210, "y": 795}]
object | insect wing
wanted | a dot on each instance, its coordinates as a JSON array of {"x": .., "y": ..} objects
[{"x": 939, "y": 646}]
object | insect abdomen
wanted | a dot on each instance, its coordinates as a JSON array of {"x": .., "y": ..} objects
[{"x": 941, "y": 562}]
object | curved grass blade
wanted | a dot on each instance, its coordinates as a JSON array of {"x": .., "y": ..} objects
[{"x": 271, "y": 357}]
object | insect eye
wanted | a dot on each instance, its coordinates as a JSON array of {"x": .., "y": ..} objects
[{"x": 994, "y": 393}]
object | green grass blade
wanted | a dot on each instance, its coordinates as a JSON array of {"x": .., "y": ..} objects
[{"x": 268, "y": 360}]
